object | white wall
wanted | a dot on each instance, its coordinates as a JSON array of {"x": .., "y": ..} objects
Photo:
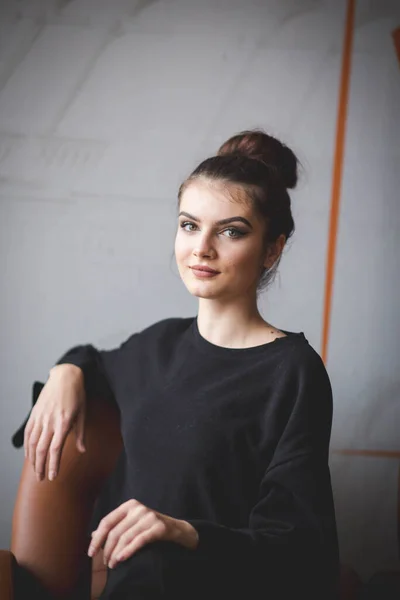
[{"x": 106, "y": 106}]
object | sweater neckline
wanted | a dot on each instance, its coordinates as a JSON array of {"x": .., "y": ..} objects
[{"x": 210, "y": 348}]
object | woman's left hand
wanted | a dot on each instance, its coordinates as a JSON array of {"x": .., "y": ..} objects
[{"x": 131, "y": 526}]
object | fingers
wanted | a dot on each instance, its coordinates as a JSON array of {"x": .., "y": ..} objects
[
  {"x": 132, "y": 541},
  {"x": 132, "y": 524},
  {"x": 125, "y": 530},
  {"x": 79, "y": 431},
  {"x": 121, "y": 531},
  {"x": 106, "y": 525},
  {"x": 42, "y": 449},
  {"x": 32, "y": 442},
  {"x": 61, "y": 403},
  {"x": 46, "y": 442},
  {"x": 56, "y": 448},
  {"x": 28, "y": 431}
]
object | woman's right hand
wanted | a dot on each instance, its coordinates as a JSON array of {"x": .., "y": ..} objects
[{"x": 60, "y": 407}]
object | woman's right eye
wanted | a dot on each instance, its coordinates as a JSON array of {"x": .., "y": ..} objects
[{"x": 185, "y": 225}]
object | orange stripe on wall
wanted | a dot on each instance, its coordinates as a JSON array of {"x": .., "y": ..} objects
[
  {"x": 372, "y": 453},
  {"x": 396, "y": 39},
  {"x": 337, "y": 172}
]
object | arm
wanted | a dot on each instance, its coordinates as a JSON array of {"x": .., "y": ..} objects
[
  {"x": 82, "y": 372},
  {"x": 98, "y": 366},
  {"x": 291, "y": 533}
]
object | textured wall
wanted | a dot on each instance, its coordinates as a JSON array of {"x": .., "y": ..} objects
[{"x": 106, "y": 106}]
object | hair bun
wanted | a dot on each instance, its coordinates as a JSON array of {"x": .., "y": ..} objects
[{"x": 264, "y": 147}]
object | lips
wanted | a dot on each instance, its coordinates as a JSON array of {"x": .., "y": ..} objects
[{"x": 204, "y": 269}]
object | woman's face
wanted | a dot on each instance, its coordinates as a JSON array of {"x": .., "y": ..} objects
[{"x": 217, "y": 232}]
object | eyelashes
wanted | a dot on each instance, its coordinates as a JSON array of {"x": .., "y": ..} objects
[
  {"x": 185, "y": 223},
  {"x": 237, "y": 232}
]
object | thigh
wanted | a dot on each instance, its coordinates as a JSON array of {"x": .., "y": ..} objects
[{"x": 137, "y": 578}]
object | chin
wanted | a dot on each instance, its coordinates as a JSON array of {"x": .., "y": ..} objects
[
  {"x": 201, "y": 291},
  {"x": 204, "y": 295},
  {"x": 211, "y": 293}
]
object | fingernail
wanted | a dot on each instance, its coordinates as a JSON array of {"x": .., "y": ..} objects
[
  {"x": 52, "y": 475},
  {"x": 90, "y": 551}
]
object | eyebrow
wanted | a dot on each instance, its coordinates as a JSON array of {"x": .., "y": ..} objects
[{"x": 222, "y": 221}]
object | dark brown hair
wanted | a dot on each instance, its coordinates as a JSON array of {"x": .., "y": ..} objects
[{"x": 265, "y": 168}]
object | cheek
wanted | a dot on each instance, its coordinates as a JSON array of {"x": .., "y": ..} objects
[
  {"x": 181, "y": 247},
  {"x": 244, "y": 260}
]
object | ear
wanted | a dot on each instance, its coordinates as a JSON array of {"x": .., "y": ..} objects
[{"x": 274, "y": 251}]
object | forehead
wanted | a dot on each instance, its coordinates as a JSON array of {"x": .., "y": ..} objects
[{"x": 216, "y": 200}]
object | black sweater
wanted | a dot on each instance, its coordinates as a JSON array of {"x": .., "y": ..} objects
[{"x": 236, "y": 442}]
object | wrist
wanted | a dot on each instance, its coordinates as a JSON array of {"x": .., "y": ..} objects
[
  {"x": 67, "y": 371},
  {"x": 187, "y": 535}
]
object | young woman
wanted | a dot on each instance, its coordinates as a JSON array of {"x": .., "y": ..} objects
[{"x": 223, "y": 484}]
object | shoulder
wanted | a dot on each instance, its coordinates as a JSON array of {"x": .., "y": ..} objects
[
  {"x": 306, "y": 375},
  {"x": 304, "y": 405},
  {"x": 165, "y": 335},
  {"x": 158, "y": 339},
  {"x": 161, "y": 331},
  {"x": 173, "y": 326},
  {"x": 300, "y": 356}
]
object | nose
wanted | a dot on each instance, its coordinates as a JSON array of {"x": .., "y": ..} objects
[{"x": 204, "y": 247}]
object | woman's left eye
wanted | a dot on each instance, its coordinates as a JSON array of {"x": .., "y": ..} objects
[{"x": 236, "y": 232}]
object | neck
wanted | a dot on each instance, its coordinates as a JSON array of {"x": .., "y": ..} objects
[{"x": 230, "y": 325}]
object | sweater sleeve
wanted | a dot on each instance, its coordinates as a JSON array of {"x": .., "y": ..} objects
[
  {"x": 291, "y": 530},
  {"x": 100, "y": 367}
]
